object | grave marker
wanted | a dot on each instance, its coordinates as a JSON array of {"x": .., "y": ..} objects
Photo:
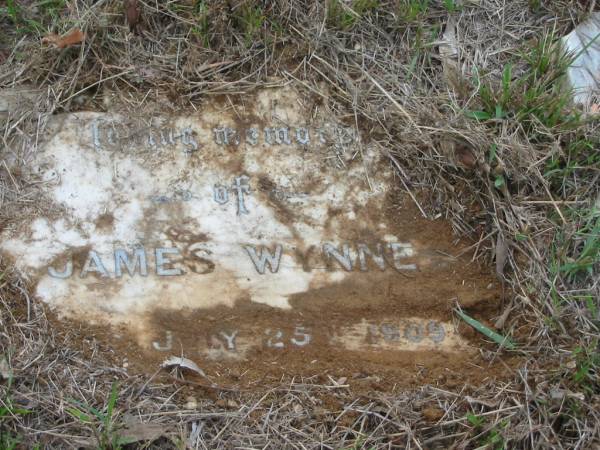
[{"x": 285, "y": 234}]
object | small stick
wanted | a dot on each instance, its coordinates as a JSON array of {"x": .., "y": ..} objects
[
  {"x": 555, "y": 204},
  {"x": 206, "y": 386},
  {"x": 396, "y": 104},
  {"x": 414, "y": 199},
  {"x": 552, "y": 202},
  {"x": 95, "y": 84},
  {"x": 10, "y": 175}
]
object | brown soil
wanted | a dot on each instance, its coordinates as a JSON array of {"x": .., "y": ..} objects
[
  {"x": 377, "y": 297},
  {"x": 270, "y": 342}
]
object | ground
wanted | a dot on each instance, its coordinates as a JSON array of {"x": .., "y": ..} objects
[{"x": 469, "y": 101}]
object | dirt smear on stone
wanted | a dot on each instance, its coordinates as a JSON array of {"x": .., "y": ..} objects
[
  {"x": 251, "y": 345},
  {"x": 365, "y": 290}
]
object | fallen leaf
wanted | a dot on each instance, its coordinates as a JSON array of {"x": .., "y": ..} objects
[
  {"x": 73, "y": 37},
  {"x": 577, "y": 395},
  {"x": 557, "y": 394},
  {"x": 448, "y": 48},
  {"x": 183, "y": 363},
  {"x": 465, "y": 156},
  {"x": 132, "y": 13},
  {"x": 501, "y": 255},
  {"x": 432, "y": 413},
  {"x": 499, "y": 324},
  {"x": 479, "y": 401},
  {"x": 449, "y": 54},
  {"x": 227, "y": 403},
  {"x": 191, "y": 403},
  {"x": 5, "y": 371},
  {"x": 136, "y": 431}
]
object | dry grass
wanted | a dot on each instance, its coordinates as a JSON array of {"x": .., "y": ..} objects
[{"x": 525, "y": 189}]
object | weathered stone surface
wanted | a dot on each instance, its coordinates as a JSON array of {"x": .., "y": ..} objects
[{"x": 234, "y": 231}]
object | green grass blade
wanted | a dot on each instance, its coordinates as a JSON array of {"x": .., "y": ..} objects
[
  {"x": 479, "y": 115},
  {"x": 82, "y": 417},
  {"x": 114, "y": 392},
  {"x": 497, "y": 338},
  {"x": 88, "y": 408}
]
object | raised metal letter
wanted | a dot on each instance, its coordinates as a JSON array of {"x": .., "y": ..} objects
[
  {"x": 436, "y": 331},
  {"x": 252, "y": 136},
  {"x": 278, "y": 335},
  {"x": 223, "y": 135},
  {"x": 168, "y": 344},
  {"x": 342, "y": 258},
  {"x": 230, "y": 339},
  {"x": 187, "y": 138},
  {"x": 301, "y": 331},
  {"x": 121, "y": 256},
  {"x": 260, "y": 261},
  {"x": 64, "y": 274},
  {"x": 220, "y": 194},
  {"x": 302, "y": 136},
  {"x": 97, "y": 267},
  {"x": 161, "y": 261},
  {"x": 282, "y": 135},
  {"x": 241, "y": 187},
  {"x": 378, "y": 258},
  {"x": 402, "y": 250},
  {"x": 413, "y": 332},
  {"x": 390, "y": 332},
  {"x": 96, "y": 135}
]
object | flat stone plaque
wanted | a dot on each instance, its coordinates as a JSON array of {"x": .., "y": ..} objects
[{"x": 248, "y": 234}]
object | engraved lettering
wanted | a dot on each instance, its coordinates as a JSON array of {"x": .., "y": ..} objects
[
  {"x": 121, "y": 256},
  {"x": 161, "y": 261},
  {"x": 342, "y": 258},
  {"x": 265, "y": 257},
  {"x": 97, "y": 265}
]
